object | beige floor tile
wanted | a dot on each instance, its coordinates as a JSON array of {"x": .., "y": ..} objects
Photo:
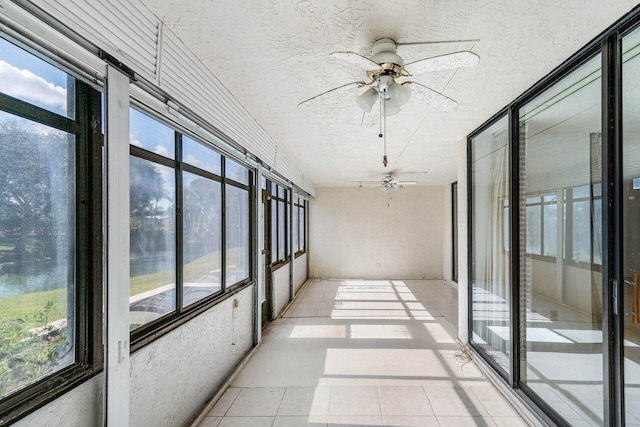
[
  {"x": 354, "y": 421},
  {"x": 305, "y": 401},
  {"x": 358, "y": 400},
  {"x": 257, "y": 402},
  {"x": 454, "y": 401},
  {"x": 404, "y": 401},
  {"x": 409, "y": 421},
  {"x": 300, "y": 421},
  {"x": 210, "y": 422},
  {"x": 511, "y": 422},
  {"x": 445, "y": 421},
  {"x": 224, "y": 403},
  {"x": 494, "y": 402},
  {"x": 246, "y": 422}
]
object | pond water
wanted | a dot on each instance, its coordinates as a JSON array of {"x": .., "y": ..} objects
[{"x": 35, "y": 280}]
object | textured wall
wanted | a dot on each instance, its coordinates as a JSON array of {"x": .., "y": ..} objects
[
  {"x": 281, "y": 289},
  {"x": 299, "y": 272},
  {"x": 81, "y": 407},
  {"x": 174, "y": 376},
  {"x": 353, "y": 233}
]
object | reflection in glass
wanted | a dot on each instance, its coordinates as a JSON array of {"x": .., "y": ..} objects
[
  {"x": 196, "y": 154},
  {"x": 631, "y": 223},
  {"x": 282, "y": 244},
  {"x": 152, "y": 234},
  {"x": 37, "y": 251},
  {"x": 30, "y": 79},
  {"x": 202, "y": 241},
  {"x": 296, "y": 225},
  {"x": 150, "y": 134},
  {"x": 236, "y": 171},
  {"x": 561, "y": 305},
  {"x": 274, "y": 230},
  {"x": 490, "y": 262},
  {"x": 237, "y": 234}
]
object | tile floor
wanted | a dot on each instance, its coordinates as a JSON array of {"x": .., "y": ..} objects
[{"x": 363, "y": 353}]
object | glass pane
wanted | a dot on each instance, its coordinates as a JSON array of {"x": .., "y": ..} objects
[
  {"x": 296, "y": 228},
  {"x": 236, "y": 171},
  {"x": 30, "y": 79},
  {"x": 153, "y": 241},
  {"x": 490, "y": 263},
  {"x": 561, "y": 307},
  {"x": 237, "y": 237},
  {"x": 202, "y": 239},
  {"x": 196, "y": 154},
  {"x": 550, "y": 220},
  {"x": 631, "y": 223},
  {"x": 581, "y": 231},
  {"x": 303, "y": 219},
  {"x": 282, "y": 243},
  {"x": 274, "y": 230},
  {"x": 148, "y": 133},
  {"x": 37, "y": 251},
  {"x": 534, "y": 229}
]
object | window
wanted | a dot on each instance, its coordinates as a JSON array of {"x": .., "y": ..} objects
[
  {"x": 190, "y": 225},
  {"x": 237, "y": 221},
  {"x": 50, "y": 232},
  {"x": 280, "y": 202},
  {"x": 299, "y": 224},
  {"x": 542, "y": 224}
]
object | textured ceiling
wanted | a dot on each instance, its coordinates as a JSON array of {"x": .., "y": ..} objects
[{"x": 272, "y": 54}]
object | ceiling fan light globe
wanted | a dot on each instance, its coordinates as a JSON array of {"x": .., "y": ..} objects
[
  {"x": 367, "y": 99},
  {"x": 399, "y": 94},
  {"x": 390, "y": 109}
]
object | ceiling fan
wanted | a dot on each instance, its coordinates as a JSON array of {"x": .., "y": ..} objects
[
  {"x": 389, "y": 183},
  {"x": 387, "y": 76}
]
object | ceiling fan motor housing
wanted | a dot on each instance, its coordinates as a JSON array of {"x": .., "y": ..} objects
[{"x": 384, "y": 51}]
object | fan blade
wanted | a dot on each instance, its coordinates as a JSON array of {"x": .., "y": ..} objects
[
  {"x": 329, "y": 93},
  {"x": 359, "y": 60},
  {"x": 406, "y": 182},
  {"x": 443, "y": 62},
  {"x": 433, "y": 98}
]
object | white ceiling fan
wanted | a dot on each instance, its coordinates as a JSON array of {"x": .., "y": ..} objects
[
  {"x": 388, "y": 76},
  {"x": 389, "y": 183}
]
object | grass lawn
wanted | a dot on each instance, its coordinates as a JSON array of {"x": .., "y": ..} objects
[{"x": 29, "y": 307}]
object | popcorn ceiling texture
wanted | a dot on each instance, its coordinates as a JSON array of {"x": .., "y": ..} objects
[{"x": 272, "y": 54}]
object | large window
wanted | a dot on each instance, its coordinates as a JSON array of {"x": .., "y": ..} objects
[
  {"x": 299, "y": 224},
  {"x": 280, "y": 202},
  {"x": 50, "y": 223},
  {"x": 190, "y": 222}
]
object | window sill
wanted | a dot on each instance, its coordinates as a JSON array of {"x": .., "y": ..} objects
[{"x": 162, "y": 326}]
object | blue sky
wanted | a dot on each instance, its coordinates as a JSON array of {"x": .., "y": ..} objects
[{"x": 26, "y": 77}]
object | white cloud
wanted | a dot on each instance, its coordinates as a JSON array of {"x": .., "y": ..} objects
[
  {"x": 134, "y": 141},
  {"x": 25, "y": 85},
  {"x": 192, "y": 160},
  {"x": 159, "y": 149}
]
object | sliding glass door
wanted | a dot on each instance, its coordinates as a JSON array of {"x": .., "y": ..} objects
[
  {"x": 629, "y": 289},
  {"x": 560, "y": 252},
  {"x": 490, "y": 296}
]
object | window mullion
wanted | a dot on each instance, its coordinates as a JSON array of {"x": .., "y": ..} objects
[{"x": 179, "y": 288}]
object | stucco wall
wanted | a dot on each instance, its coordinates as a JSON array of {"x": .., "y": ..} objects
[
  {"x": 354, "y": 234},
  {"x": 299, "y": 272}
]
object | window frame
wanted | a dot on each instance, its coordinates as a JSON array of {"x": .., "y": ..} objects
[
  {"x": 301, "y": 206},
  {"x": 276, "y": 202},
  {"x": 88, "y": 283},
  {"x": 153, "y": 330}
]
